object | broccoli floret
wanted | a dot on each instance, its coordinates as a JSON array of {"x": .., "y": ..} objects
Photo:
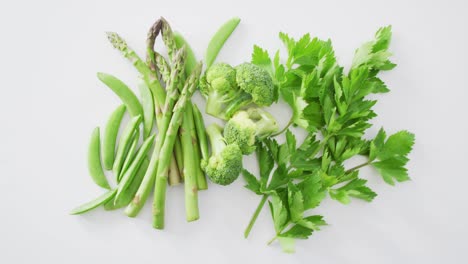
[
  {"x": 245, "y": 127},
  {"x": 225, "y": 163},
  {"x": 257, "y": 82},
  {"x": 228, "y": 89}
]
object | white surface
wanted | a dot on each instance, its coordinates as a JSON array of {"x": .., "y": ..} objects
[{"x": 51, "y": 100}]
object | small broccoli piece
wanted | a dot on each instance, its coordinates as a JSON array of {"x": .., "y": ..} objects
[
  {"x": 245, "y": 127},
  {"x": 225, "y": 163},
  {"x": 228, "y": 89}
]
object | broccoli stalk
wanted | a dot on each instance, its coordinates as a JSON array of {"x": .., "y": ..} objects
[
  {"x": 245, "y": 127},
  {"x": 225, "y": 163}
]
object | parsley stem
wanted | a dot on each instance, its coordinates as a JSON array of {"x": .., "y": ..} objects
[
  {"x": 284, "y": 129},
  {"x": 255, "y": 215},
  {"x": 272, "y": 240},
  {"x": 358, "y": 167}
]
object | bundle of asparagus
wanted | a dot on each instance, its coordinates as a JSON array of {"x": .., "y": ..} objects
[{"x": 168, "y": 85}]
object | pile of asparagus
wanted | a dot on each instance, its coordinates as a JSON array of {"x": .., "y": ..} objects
[{"x": 179, "y": 144}]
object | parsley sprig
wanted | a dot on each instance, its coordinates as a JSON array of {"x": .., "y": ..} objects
[{"x": 334, "y": 108}]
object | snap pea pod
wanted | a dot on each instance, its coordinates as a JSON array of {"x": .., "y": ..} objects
[
  {"x": 190, "y": 60},
  {"x": 148, "y": 108},
  {"x": 94, "y": 160},
  {"x": 132, "y": 170},
  {"x": 94, "y": 203},
  {"x": 132, "y": 151},
  {"x": 124, "y": 144},
  {"x": 110, "y": 136},
  {"x": 123, "y": 92},
  {"x": 127, "y": 196},
  {"x": 218, "y": 40}
]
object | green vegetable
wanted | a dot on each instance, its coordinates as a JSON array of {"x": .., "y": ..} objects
[
  {"x": 225, "y": 163},
  {"x": 246, "y": 127},
  {"x": 124, "y": 144},
  {"x": 334, "y": 108},
  {"x": 191, "y": 60},
  {"x": 166, "y": 149},
  {"x": 123, "y": 92},
  {"x": 188, "y": 134},
  {"x": 201, "y": 132},
  {"x": 127, "y": 196},
  {"x": 228, "y": 89},
  {"x": 130, "y": 154},
  {"x": 148, "y": 108},
  {"x": 189, "y": 170},
  {"x": 94, "y": 160},
  {"x": 110, "y": 136},
  {"x": 148, "y": 181},
  {"x": 129, "y": 174},
  {"x": 149, "y": 76},
  {"x": 218, "y": 40},
  {"x": 94, "y": 203}
]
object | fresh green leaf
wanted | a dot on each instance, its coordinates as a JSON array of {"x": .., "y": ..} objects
[
  {"x": 392, "y": 169},
  {"x": 296, "y": 203},
  {"x": 279, "y": 178},
  {"x": 266, "y": 163},
  {"x": 355, "y": 188},
  {"x": 252, "y": 182},
  {"x": 311, "y": 189},
  {"x": 313, "y": 222},
  {"x": 278, "y": 212},
  {"x": 297, "y": 231},
  {"x": 398, "y": 144}
]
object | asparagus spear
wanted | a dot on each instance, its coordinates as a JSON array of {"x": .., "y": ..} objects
[
  {"x": 152, "y": 59},
  {"x": 201, "y": 132},
  {"x": 167, "y": 147},
  {"x": 188, "y": 123},
  {"x": 148, "y": 181},
  {"x": 188, "y": 135},
  {"x": 189, "y": 170},
  {"x": 148, "y": 72},
  {"x": 148, "y": 76}
]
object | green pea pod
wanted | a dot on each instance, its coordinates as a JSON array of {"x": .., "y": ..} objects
[
  {"x": 132, "y": 170},
  {"x": 94, "y": 203},
  {"x": 130, "y": 154},
  {"x": 94, "y": 160},
  {"x": 124, "y": 144},
  {"x": 127, "y": 196},
  {"x": 218, "y": 40},
  {"x": 123, "y": 92},
  {"x": 148, "y": 108},
  {"x": 110, "y": 136},
  {"x": 190, "y": 60}
]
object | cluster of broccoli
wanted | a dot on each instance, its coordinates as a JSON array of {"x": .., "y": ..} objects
[{"x": 235, "y": 94}]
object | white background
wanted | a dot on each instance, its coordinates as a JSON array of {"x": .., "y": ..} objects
[{"x": 51, "y": 100}]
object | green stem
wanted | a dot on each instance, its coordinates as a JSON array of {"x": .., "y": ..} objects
[
  {"x": 255, "y": 215},
  {"x": 272, "y": 240},
  {"x": 167, "y": 148},
  {"x": 201, "y": 132},
  {"x": 148, "y": 181},
  {"x": 285, "y": 128},
  {"x": 189, "y": 170},
  {"x": 278, "y": 233},
  {"x": 358, "y": 167}
]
